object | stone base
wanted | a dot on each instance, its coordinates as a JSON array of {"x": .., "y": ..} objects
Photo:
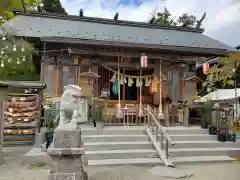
[
  {"x": 67, "y": 137},
  {"x": 39, "y": 139},
  {"x": 68, "y": 176},
  {"x": 35, "y": 155}
]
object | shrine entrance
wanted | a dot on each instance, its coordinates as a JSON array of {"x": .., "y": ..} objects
[{"x": 131, "y": 93}]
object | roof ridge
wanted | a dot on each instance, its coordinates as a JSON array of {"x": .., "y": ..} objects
[{"x": 104, "y": 20}]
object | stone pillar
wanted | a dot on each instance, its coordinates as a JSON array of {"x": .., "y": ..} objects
[
  {"x": 180, "y": 116},
  {"x": 186, "y": 115},
  {"x": 166, "y": 112},
  {"x": 66, "y": 151}
]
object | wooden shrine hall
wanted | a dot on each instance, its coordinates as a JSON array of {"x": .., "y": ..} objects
[{"x": 131, "y": 63}]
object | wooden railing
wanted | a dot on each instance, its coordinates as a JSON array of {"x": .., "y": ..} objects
[
  {"x": 163, "y": 151},
  {"x": 130, "y": 115}
]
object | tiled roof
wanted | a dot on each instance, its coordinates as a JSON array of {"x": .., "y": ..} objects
[{"x": 40, "y": 25}]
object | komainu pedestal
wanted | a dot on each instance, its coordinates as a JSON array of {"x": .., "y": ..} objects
[{"x": 66, "y": 152}]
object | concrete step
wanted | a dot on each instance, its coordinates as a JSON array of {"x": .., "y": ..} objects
[
  {"x": 186, "y": 130},
  {"x": 190, "y": 152},
  {"x": 204, "y": 144},
  {"x": 192, "y": 137},
  {"x": 201, "y": 159},
  {"x": 95, "y": 146},
  {"x": 113, "y": 131},
  {"x": 133, "y": 161},
  {"x": 121, "y": 154},
  {"x": 157, "y": 161},
  {"x": 115, "y": 138}
]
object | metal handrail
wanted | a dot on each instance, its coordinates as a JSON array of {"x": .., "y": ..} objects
[{"x": 160, "y": 129}]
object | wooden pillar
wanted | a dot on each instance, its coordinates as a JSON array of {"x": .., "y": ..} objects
[
  {"x": 2, "y": 90},
  {"x": 182, "y": 89},
  {"x": 42, "y": 73},
  {"x": 123, "y": 91},
  {"x": 57, "y": 80}
]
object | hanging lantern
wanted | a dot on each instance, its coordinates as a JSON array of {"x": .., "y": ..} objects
[
  {"x": 23, "y": 58},
  {"x": 205, "y": 67},
  {"x": 2, "y": 64},
  {"x": 14, "y": 48},
  {"x": 144, "y": 61}
]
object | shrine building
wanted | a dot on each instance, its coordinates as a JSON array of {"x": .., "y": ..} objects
[{"x": 108, "y": 52}]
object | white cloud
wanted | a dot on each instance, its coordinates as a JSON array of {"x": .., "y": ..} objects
[{"x": 220, "y": 13}]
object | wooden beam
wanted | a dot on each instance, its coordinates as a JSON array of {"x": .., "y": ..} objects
[
  {"x": 2, "y": 90},
  {"x": 105, "y": 52}
]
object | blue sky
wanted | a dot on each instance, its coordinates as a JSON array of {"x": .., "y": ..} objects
[{"x": 222, "y": 21}]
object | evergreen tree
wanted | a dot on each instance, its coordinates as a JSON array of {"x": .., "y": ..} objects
[{"x": 53, "y": 6}]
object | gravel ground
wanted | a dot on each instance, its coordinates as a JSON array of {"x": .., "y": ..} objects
[{"x": 14, "y": 170}]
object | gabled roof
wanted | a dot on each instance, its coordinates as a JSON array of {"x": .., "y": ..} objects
[{"x": 49, "y": 25}]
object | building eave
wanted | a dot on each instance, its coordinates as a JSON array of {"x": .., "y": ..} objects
[{"x": 190, "y": 50}]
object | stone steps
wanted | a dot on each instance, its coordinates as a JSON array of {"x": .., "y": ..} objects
[
  {"x": 113, "y": 131},
  {"x": 94, "y": 146},
  {"x": 204, "y": 144},
  {"x": 121, "y": 154},
  {"x": 115, "y": 138},
  {"x": 192, "y": 152},
  {"x": 192, "y": 137},
  {"x": 132, "y": 161},
  {"x": 186, "y": 130},
  {"x": 157, "y": 161},
  {"x": 123, "y": 146}
]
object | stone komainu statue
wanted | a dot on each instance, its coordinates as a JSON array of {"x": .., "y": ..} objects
[{"x": 69, "y": 104}]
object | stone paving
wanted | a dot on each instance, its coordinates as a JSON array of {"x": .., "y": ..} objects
[{"x": 14, "y": 170}]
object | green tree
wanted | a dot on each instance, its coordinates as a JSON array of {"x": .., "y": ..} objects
[
  {"x": 186, "y": 20},
  {"x": 15, "y": 53},
  {"x": 222, "y": 74},
  {"x": 6, "y": 7},
  {"x": 53, "y": 6},
  {"x": 165, "y": 18}
]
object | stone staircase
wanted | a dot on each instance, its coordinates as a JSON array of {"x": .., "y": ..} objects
[
  {"x": 122, "y": 146},
  {"x": 196, "y": 145},
  {"x": 118, "y": 146}
]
